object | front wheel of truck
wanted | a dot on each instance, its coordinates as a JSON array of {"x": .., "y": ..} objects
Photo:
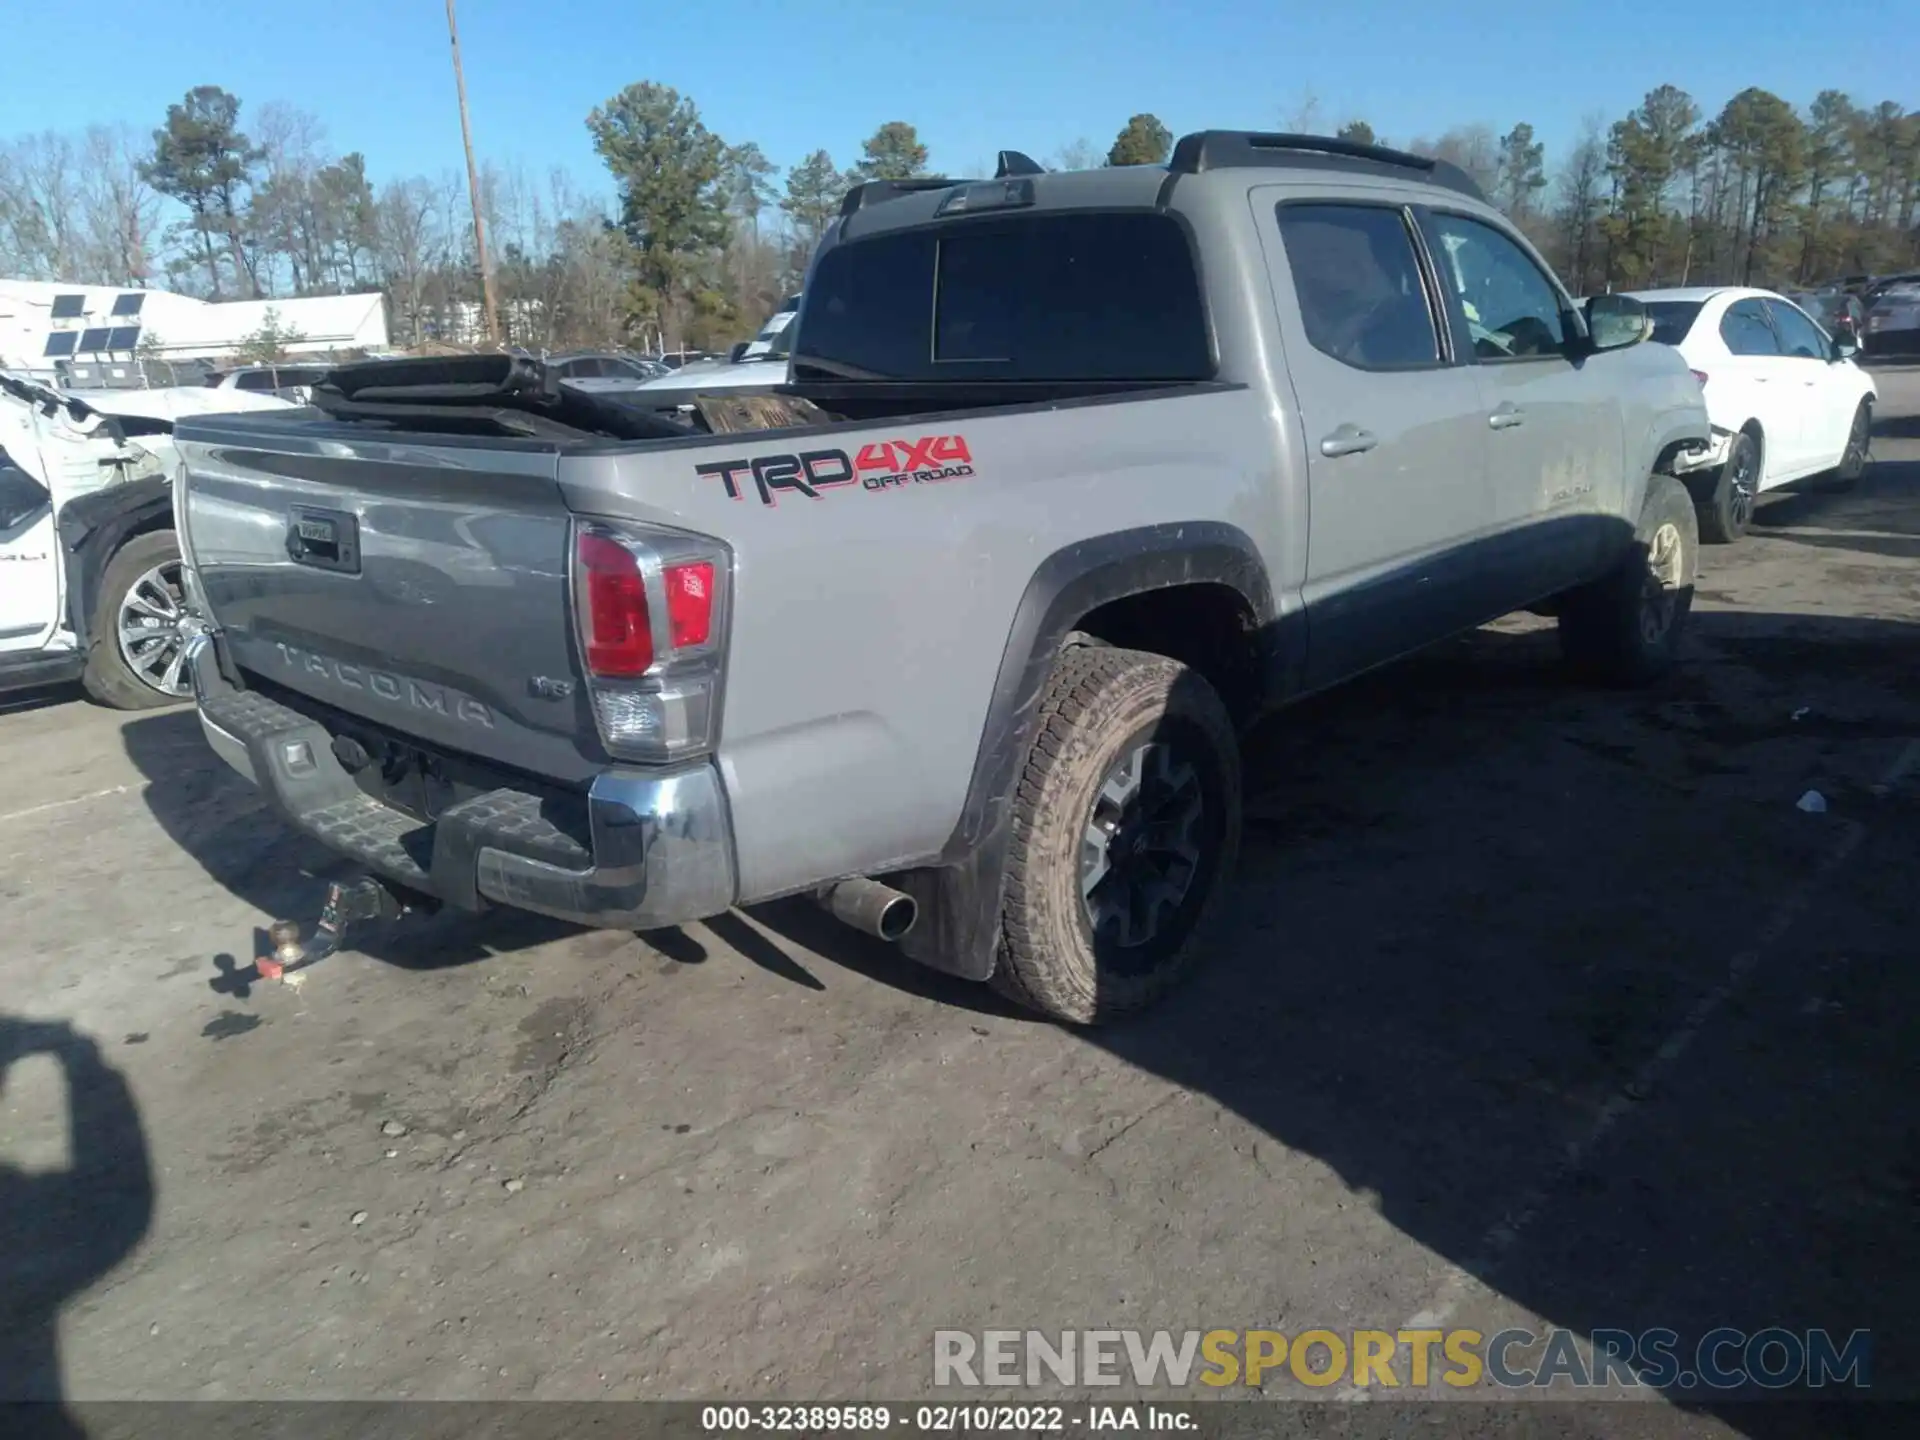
[
  {"x": 1625, "y": 628},
  {"x": 1126, "y": 828}
]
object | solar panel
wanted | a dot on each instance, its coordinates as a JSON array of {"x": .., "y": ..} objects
[
  {"x": 69, "y": 307},
  {"x": 60, "y": 342},
  {"x": 123, "y": 337},
  {"x": 94, "y": 340},
  {"x": 130, "y": 303}
]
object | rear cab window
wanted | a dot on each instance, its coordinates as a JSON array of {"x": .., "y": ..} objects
[
  {"x": 1044, "y": 296},
  {"x": 1672, "y": 319},
  {"x": 1746, "y": 330},
  {"x": 1799, "y": 336},
  {"x": 1356, "y": 277}
]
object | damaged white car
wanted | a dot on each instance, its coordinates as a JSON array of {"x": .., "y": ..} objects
[{"x": 89, "y": 566}]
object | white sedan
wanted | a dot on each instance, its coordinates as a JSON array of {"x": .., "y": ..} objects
[{"x": 1785, "y": 399}]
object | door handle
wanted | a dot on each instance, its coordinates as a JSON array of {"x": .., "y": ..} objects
[
  {"x": 1507, "y": 416},
  {"x": 1348, "y": 440}
]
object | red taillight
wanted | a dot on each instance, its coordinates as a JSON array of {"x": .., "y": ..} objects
[
  {"x": 690, "y": 603},
  {"x": 1701, "y": 376},
  {"x": 617, "y": 633}
]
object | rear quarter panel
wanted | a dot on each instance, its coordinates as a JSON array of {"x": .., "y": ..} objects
[{"x": 869, "y": 621}]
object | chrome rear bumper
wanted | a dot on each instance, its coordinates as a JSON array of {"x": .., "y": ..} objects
[{"x": 653, "y": 848}]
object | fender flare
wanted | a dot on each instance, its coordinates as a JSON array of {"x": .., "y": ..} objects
[
  {"x": 959, "y": 894},
  {"x": 93, "y": 528}
]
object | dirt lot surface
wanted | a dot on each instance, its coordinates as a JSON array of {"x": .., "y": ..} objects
[{"x": 1544, "y": 1006}]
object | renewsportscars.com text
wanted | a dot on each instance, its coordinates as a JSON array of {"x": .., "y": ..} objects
[{"x": 1658, "y": 1359}]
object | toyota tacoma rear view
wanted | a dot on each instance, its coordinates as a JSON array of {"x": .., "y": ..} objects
[{"x": 953, "y": 623}]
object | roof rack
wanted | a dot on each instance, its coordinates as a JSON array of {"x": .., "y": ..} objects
[
  {"x": 1236, "y": 149},
  {"x": 875, "y": 192},
  {"x": 1011, "y": 163}
]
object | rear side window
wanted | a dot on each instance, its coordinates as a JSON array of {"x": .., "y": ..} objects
[
  {"x": 254, "y": 380},
  {"x": 1798, "y": 335},
  {"x": 1060, "y": 297},
  {"x": 1747, "y": 331},
  {"x": 1358, "y": 283},
  {"x": 1672, "y": 319}
]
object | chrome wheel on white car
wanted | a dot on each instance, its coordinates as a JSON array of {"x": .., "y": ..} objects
[
  {"x": 137, "y": 639},
  {"x": 151, "y": 641}
]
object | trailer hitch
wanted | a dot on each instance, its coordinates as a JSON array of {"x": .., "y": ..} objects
[{"x": 362, "y": 898}]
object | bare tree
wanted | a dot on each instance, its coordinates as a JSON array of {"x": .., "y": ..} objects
[
  {"x": 409, "y": 247},
  {"x": 122, "y": 210},
  {"x": 1305, "y": 116},
  {"x": 41, "y": 213},
  {"x": 1082, "y": 154},
  {"x": 1582, "y": 201},
  {"x": 284, "y": 214}
]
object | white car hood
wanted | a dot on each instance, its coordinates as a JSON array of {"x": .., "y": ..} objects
[{"x": 176, "y": 401}]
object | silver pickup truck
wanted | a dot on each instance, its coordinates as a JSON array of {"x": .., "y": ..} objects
[{"x": 1069, "y": 478}]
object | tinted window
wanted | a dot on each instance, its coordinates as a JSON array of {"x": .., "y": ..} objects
[
  {"x": 1358, "y": 283},
  {"x": 1799, "y": 336},
  {"x": 1513, "y": 311},
  {"x": 1672, "y": 319},
  {"x": 1746, "y": 330},
  {"x": 254, "y": 380},
  {"x": 1039, "y": 297}
]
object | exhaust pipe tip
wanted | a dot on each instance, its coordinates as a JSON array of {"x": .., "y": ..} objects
[{"x": 870, "y": 907}]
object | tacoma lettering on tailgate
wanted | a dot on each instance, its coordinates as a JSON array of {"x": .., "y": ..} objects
[{"x": 883, "y": 465}]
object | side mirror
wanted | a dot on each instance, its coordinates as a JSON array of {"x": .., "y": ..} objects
[
  {"x": 1615, "y": 322},
  {"x": 1845, "y": 347},
  {"x": 21, "y": 496},
  {"x": 739, "y": 348}
]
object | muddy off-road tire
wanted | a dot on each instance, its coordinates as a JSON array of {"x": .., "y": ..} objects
[
  {"x": 1725, "y": 514},
  {"x": 141, "y": 582},
  {"x": 1625, "y": 628},
  {"x": 1126, "y": 828}
]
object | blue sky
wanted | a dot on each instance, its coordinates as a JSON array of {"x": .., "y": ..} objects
[{"x": 973, "y": 75}]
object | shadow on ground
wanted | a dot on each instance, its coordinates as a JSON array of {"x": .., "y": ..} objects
[
  {"x": 63, "y": 1229},
  {"x": 220, "y": 820},
  {"x": 1476, "y": 902}
]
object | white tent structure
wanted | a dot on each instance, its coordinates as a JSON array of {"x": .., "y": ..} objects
[{"x": 45, "y": 323}]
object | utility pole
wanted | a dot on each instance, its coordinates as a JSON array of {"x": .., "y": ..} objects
[{"x": 473, "y": 185}]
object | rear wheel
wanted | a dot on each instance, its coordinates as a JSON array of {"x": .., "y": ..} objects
[
  {"x": 1725, "y": 515},
  {"x": 136, "y": 658},
  {"x": 1126, "y": 827},
  {"x": 1625, "y": 628},
  {"x": 1853, "y": 460}
]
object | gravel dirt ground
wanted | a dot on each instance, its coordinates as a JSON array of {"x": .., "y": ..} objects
[{"x": 1543, "y": 1006}]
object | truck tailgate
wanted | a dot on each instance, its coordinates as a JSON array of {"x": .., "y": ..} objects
[{"x": 422, "y": 585}]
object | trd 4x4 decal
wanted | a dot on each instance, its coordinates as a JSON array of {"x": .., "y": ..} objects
[{"x": 883, "y": 465}]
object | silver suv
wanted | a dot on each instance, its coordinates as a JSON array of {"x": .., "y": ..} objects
[{"x": 955, "y": 624}]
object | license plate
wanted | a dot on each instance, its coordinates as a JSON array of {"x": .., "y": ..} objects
[{"x": 321, "y": 530}]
